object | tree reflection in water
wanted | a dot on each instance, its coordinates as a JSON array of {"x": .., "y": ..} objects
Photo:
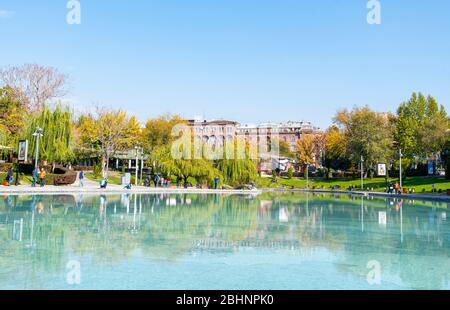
[{"x": 412, "y": 246}]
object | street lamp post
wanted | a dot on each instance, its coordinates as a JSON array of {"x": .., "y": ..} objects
[
  {"x": 362, "y": 173},
  {"x": 307, "y": 176},
  {"x": 142, "y": 165},
  {"x": 137, "y": 163},
  {"x": 39, "y": 133},
  {"x": 401, "y": 178}
]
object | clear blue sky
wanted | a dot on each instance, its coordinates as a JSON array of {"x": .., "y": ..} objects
[{"x": 249, "y": 60}]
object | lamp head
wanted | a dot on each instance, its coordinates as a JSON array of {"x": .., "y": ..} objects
[{"x": 38, "y": 132}]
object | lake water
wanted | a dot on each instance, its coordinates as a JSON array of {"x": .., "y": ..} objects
[{"x": 192, "y": 241}]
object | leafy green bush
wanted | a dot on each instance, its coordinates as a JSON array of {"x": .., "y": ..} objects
[
  {"x": 447, "y": 170},
  {"x": 97, "y": 171},
  {"x": 290, "y": 173}
]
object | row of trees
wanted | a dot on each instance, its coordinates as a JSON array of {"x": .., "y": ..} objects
[
  {"x": 419, "y": 129},
  {"x": 26, "y": 94}
]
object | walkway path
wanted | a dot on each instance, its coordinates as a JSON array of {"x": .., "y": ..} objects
[{"x": 93, "y": 187}]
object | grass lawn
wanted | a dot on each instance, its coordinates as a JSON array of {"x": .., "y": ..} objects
[
  {"x": 28, "y": 179},
  {"x": 419, "y": 184},
  {"x": 114, "y": 177}
]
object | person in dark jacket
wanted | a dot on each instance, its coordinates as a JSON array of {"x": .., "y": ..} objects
[
  {"x": 10, "y": 176},
  {"x": 35, "y": 177},
  {"x": 81, "y": 177}
]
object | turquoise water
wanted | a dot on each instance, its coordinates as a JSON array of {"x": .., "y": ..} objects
[{"x": 270, "y": 241}]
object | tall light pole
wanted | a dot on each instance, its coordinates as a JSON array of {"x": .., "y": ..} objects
[
  {"x": 39, "y": 133},
  {"x": 307, "y": 176},
  {"x": 137, "y": 163},
  {"x": 362, "y": 173},
  {"x": 142, "y": 164},
  {"x": 401, "y": 178}
]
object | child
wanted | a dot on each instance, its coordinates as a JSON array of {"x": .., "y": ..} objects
[{"x": 42, "y": 175}]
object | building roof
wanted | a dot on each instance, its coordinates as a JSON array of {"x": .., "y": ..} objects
[{"x": 221, "y": 122}]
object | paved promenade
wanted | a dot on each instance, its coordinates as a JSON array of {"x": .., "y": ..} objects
[{"x": 94, "y": 187}]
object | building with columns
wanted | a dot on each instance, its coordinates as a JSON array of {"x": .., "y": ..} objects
[{"x": 214, "y": 132}]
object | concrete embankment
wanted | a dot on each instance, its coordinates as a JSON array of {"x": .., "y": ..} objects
[{"x": 433, "y": 197}]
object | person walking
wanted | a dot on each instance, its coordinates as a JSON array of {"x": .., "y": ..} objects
[
  {"x": 397, "y": 188},
  {"x": 216, "y": 182},
  {"x": 35, "y": 177},
  {"x": 81, "y": 177},
  {"x": 42, "y": 176}
]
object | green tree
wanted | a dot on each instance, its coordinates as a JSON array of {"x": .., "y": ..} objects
[
  {"x": 368, "y": 134},
  {"x": 305, "y": 150},
  {"x": 336, "y": 149},
  {"x": 158, "y": 131},
  {"x": 109, "y": 131},
  {"x": 446, "y": 156},
  {"x": 13, "y": 114},
  {"x": 57, "y": 144},
  {"x": 290, "y": 173},
  {"x": 285, "y": 149},
  {"x": 420, "y": 127},
  {"x": 200, "y": 169},
  {"x": 237, "y": 169}
]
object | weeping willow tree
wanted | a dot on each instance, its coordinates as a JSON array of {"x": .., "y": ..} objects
[
  {"x": 200, "y": 169},
  {"x": 237, "y": 167},
  {"x": 56, "y": 145}
]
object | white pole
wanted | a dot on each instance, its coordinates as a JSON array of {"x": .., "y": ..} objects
[
  {"x": 362, "y": 173},
  {"x": 137, "y": 166},
  {"x": 401, "y": 179},
  {"x": 37, "y": 152},
  {"x": 307, "y": 176},
  {"x": 142, "y": 166}
]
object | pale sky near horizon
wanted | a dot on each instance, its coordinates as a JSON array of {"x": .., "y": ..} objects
[{"x": 247, "y": 60}]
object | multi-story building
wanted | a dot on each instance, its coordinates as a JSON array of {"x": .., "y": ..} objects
[
  {"x": 216, "y": 132},
  {"x": 289, "y": 132}
]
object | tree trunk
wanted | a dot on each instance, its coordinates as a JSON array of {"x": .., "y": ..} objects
[{"x": 107, "y": 166}]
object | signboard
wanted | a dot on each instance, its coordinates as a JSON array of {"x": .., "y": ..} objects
[
  {"x": 430, "y": 168},
  {"x": 18, "y": 230},
  {"x": 381, "y": 170},
  {"x": 126, "y": 180},
  {"x": 382, "y": 218},
  {"x": 23, "y": 150}
]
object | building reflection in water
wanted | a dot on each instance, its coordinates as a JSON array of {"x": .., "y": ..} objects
[{"x": 168, "y": 226}]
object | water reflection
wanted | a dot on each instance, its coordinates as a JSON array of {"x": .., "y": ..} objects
[{"x": 39, "y": 234}]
